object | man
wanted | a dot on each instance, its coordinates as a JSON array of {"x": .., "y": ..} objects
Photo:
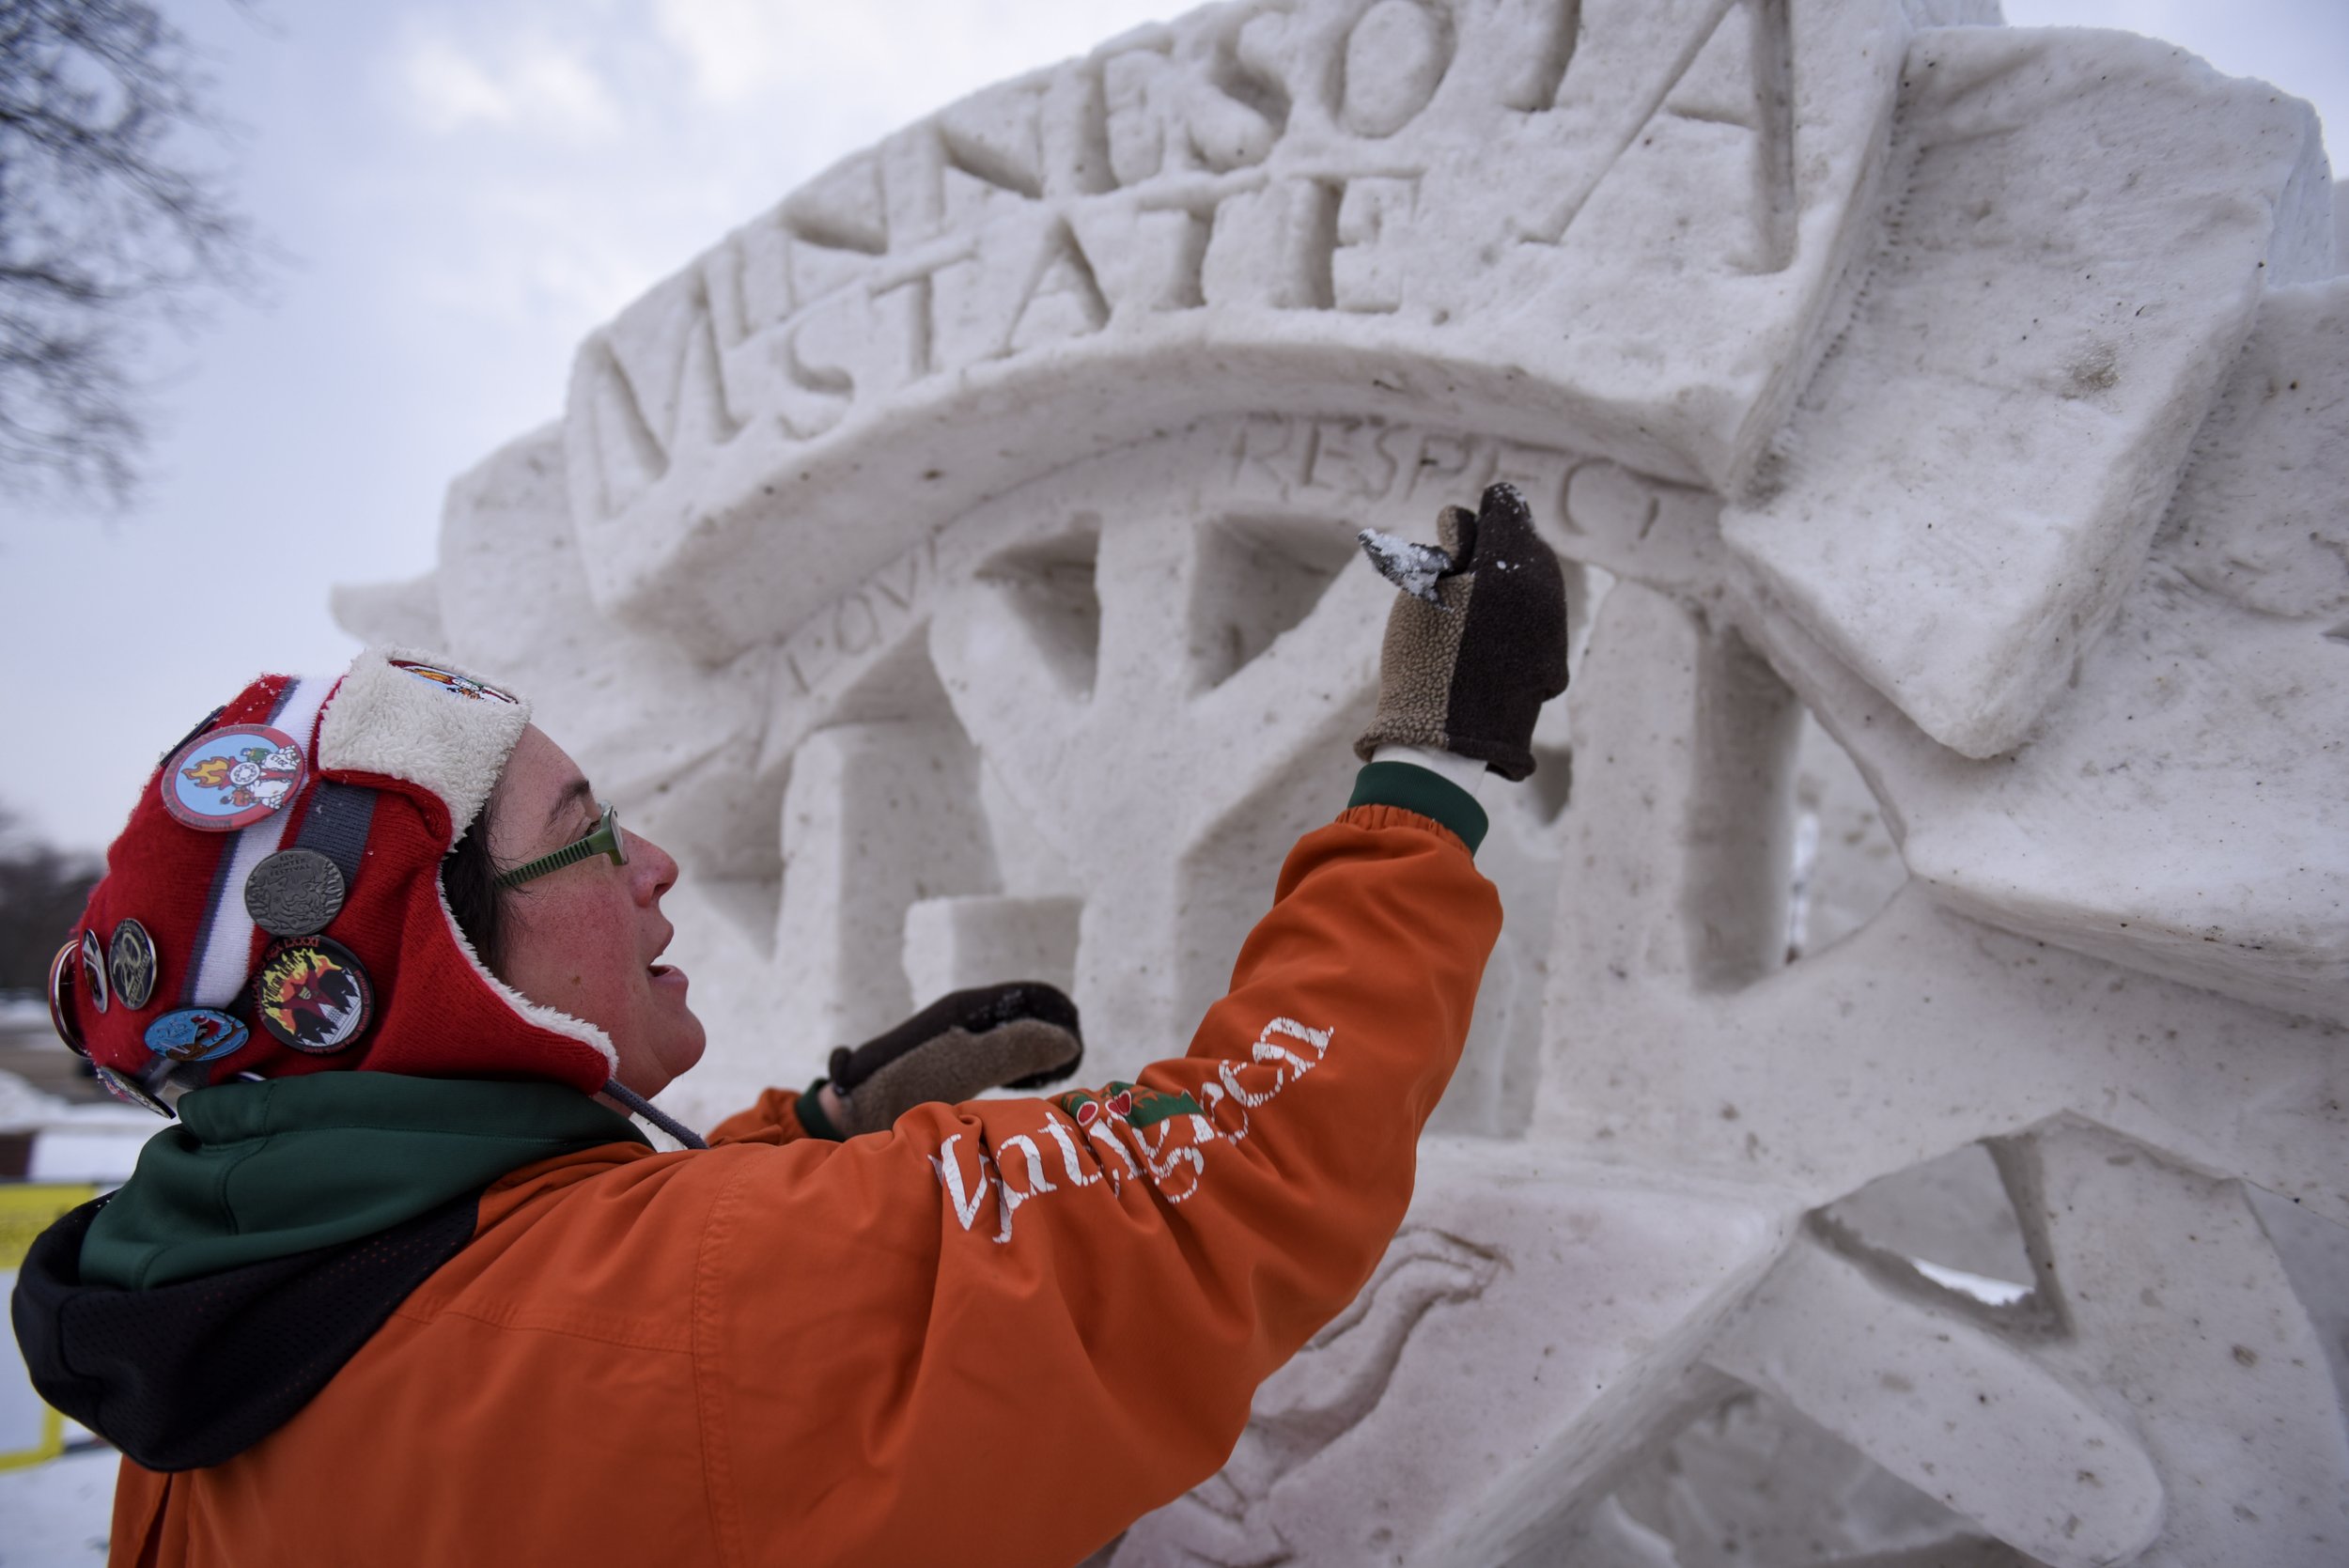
[{"x": 400, "y": 1288}]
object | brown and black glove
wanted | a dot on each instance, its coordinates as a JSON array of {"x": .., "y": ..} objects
[
  {"x": 1477, "y": 642},
  {"x": 1020, "y": 1036}
]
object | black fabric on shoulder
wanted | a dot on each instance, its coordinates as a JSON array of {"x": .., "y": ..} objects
[{"x": 190, "y": 1374}]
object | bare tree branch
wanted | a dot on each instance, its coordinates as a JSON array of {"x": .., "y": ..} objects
[{"x": 106, "y": 231}]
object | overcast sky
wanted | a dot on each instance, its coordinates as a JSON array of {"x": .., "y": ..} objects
[{"x": 467, "y": 188}]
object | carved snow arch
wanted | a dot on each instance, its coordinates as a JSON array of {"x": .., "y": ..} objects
[{"x": 950, "y": 566}]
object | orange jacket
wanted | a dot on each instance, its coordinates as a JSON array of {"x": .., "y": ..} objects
[{"x": 995, "y": 1334}]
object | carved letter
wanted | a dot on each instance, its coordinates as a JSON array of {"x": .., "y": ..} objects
[
  {"x": 997, "y": 137},
  {"x": 1273, "y": 246},
  {"x": 655, "y": 380},
  {"x": 1363, "y": 274},
  {"x": 1237, "y": 114},
  {"x": 1540, "y": 50},
  {"x": 907, "y": 296},
  {"x": 1076, "y": 134},
  {"x": 1396, "y": 58},
  {"x": 1133, "y": 85},
  {"x": 817, "y": 389},
  {"x": 1346, "y": 458},
  {"x": 1734, "y": 72},
  {"x": 1063, "y": 298}
]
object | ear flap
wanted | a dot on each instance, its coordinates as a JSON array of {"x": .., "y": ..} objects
[
  {"x": 409, "y": 715},
  {"x": 553, "y": 1021}
]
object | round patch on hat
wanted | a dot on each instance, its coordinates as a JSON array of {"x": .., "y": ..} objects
[
  {"x": 130, "y": 964},
  {"x": 93, "y": 972},
  {"x": 62, "y": 982},
  {"x": 129, "y": 1090},
  {"x": 197, "y": 1034},
  {"x": 450, "y": 681},
  {"x": 232, "y": 778},
  {"x": 313, "y": 994},
  {"x": 295, "y": 893}
]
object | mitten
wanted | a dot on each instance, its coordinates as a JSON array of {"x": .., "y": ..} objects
[
  {"x": 1021, "y": 1035},
  {"x": 1477, "y": 641}
]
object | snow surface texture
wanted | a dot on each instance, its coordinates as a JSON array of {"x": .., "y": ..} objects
[
  {"x": 1939, "y": 859},
  {"x": 1414, "y": 568}
]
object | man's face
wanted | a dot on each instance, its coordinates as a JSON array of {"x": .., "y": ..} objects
[{"x": 586, "y": 939}]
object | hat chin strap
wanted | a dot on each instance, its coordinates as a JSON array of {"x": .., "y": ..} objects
[{"x": 645, "y": 1107}]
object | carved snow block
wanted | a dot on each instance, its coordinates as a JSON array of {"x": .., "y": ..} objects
[
  {"x": 2180, "y": 805},
  {"x": 1531, "y": 1328},
  {"x": 951, "y": 944},
  {"x": 2077, "y": 232},
  {"x": 2085, "y": 1424},
  {"x": 877, "y": 820},
  {"x": 1613, "y": 225}
]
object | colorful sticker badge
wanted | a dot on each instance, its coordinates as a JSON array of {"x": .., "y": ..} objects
[
  {"x": 197, "y": 1034},
  {"x": 232, "y": 778},
  {"x": 294, "y": 892},
  {"x": 313, "y": 994},
  {"x": 1138, "y": 1105},
  {"x": 129, "y": 1090},
  {"x": 62, "y": 982},
  {"x": 450, "y": 681},
  {"x": 130, "y": 964},
  {"x": 93, "y": 972}
]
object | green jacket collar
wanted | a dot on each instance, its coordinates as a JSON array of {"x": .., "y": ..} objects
[{"x": 258, "y": 1170}]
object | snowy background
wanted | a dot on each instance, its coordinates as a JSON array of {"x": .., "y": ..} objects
[{"x": 464, "y": 191}]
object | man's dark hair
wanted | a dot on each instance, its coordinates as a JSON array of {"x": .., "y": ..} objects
[{"x": 469, "y": 879}]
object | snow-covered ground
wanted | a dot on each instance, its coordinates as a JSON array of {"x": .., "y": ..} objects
[
  {"x": 53, "y": 1515},
  {"x": 95, "y": 1143},
  {"x": 56, "y": 1512}
]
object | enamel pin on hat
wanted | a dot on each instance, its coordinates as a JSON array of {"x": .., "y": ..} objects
[
  {"x": 130, "y": 964},
  {"x": 313, "y": 994},
  {"x": 295, "y": 893},
  {"x": 63, "y": 983},
  {"x": 197, "y": 1034},
  {"x": 450, "y": 681},
  {"x": 93, "y": 972},
  {"x": 129, "y": 1090},
  {"x": 231, "y": 778}
]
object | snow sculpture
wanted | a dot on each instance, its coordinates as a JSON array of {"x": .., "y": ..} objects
[{"x": 1906, "y": 1114}]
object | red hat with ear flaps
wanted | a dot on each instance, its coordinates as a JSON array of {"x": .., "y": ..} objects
[{"x": 311, "y": 802}]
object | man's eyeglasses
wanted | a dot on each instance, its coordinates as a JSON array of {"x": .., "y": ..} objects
[{"x": 605, "y": 839}]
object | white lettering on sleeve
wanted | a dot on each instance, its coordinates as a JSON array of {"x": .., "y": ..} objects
[
  {"x": 1038, "y": 1183},
  {"x": 1173, "y": 1155},
  {"x": 1070, "y": 1159},
  {"x": 949, "y": 1170}
]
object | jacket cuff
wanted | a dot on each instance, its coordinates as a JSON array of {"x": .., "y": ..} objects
[
  {"x": 772, "y": 1118},
  {"x": 1415, "y": 789},
  {"x": 811, "y": 1112}
]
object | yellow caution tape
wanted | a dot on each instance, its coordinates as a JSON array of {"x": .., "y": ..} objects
[
  {"x": 28, "y": 1208},
  {"x": 52, "y": 1444}
]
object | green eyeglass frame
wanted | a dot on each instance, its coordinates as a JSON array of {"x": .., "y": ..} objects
[{"x": 605, "y": 839}]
